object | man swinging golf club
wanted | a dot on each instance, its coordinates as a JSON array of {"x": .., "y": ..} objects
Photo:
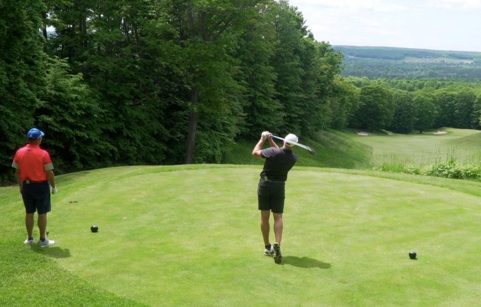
[{"x": 270, "y": 191}]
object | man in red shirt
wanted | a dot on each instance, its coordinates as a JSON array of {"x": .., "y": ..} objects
[{"x": 34, "y": 171}]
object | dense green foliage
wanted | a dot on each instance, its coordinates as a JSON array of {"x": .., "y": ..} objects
[
  {"x": 406, "y": 105},
  {"x": 131, "y": 82},
  {"x": 21, "y": 73}
]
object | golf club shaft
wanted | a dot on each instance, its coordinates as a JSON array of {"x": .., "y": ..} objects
[{"x": 297, "y": 144}]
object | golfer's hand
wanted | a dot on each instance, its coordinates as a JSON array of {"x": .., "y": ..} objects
[
  {"x": 53, "y": 190},
  {"x": 265, "y": 135}
]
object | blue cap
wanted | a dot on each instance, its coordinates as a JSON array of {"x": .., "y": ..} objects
[{"x": 35, "y": 134}]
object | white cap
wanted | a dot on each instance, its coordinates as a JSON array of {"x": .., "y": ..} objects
[{"x": 291, "y": 139}]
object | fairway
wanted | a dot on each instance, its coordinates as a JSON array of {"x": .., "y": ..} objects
[
  {"x": 464, "y": 145},
  {"x": 189, "y": 235}
]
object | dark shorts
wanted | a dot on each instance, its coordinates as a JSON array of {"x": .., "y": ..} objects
[
  {"x": 270, "y": 195},
  {"x": 36, "y": 197}
]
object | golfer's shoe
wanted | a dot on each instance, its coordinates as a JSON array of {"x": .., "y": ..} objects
[
  {"x": 269, "y": 251},
  {"x": 46, "y": 243},
  {"x": 28, "y": 241},
  {"x": 277, "y": 253}
]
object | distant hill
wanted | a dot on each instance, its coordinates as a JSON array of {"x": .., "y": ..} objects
[{"x": 405, "y": 63}]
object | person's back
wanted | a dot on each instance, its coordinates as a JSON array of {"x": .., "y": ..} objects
[
  {"x": 30, "y": 160},
  {"x": 34, "y": 171},
  {"x": 278, "y": 163},
  {"x": 271, "y": 187}
]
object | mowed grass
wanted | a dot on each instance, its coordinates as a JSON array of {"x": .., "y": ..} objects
[
  {"x": 189, "y": 235},
  {"x": 462, "y": 145}
]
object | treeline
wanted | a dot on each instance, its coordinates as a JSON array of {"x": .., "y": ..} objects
[
  {"x": 173, "y": 81},
  {"x": 393, "y": 53},
  {"x": 374, "y": 69},
  {"x": 406, "y": 63},
  {"x": 406, "y": 105}
]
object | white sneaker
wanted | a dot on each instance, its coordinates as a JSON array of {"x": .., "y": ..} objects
[
  {"x": 46, "y": 243},
  {"x": 28, "y": 241},
  {"x": 269, "y": 252}
]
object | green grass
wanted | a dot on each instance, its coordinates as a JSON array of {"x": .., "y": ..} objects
[
  {"x": 421, "y": 150},
  {"x": 189, "y": 235}
]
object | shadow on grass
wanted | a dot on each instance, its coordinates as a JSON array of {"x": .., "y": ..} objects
[
  {"x": 305, "y": 262},
  {"x": 54, "y": 251}
]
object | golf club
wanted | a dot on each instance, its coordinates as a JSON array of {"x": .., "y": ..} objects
[{"x": 309, "y": 149}]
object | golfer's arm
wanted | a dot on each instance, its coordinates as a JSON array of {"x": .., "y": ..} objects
[
  {"x": 51, "y": 178},
  {"x": 17, "y": 174},
  {"x": 256, "y": 152},
  {"x": 273, "y": 143}
]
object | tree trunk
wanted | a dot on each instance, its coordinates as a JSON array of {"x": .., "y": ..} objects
[
  {"x": 193, "y": 120},
  {"x": 44, "y": 26}
]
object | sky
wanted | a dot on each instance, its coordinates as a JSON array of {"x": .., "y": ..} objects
[{"x": 424, "y": 24}]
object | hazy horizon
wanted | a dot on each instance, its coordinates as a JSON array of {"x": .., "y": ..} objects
[{"x": 451, "y": 25}]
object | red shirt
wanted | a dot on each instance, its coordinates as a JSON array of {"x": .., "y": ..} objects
[{"x": 33, "y": 163}]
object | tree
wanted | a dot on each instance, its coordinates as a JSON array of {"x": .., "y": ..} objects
[
  {"x": 22, "y": 76},
  {"x": 256, "y": 48},
  {"x": 445, "y": 103},
  {"x": 343, "y": 102},
  {"x": 287, "y": 64},
  {"x": 321, "y": 66},
  {"x": 69, "y": 114},
  {"x": 465, "y": 101},
  {"x": 207, "y": 33},
  {"x": 375, "y": 109},
  {"x": 121, "y": 49},
  {"x": 404, "y": 112},
  {"x": 426, "y": 111}
]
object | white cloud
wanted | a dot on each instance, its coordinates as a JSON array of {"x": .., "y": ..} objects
[
  {"x": 455, "y": 4},
  {"x": 431, "y": 24},
  {"x": 374, "y": 5}
]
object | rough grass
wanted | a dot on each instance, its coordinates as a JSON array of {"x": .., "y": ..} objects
[{"x": 189, "y": 235}]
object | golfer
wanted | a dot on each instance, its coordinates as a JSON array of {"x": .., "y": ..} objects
[
  {"x": 270, "y": 191},
  {"x": 34, "y": 172}
]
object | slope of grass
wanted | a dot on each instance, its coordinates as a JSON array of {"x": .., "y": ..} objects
[
  {"x": 332, "y": 149},
  {"x": 469, "y": 141},
  {"x": 189, "y": 235}
]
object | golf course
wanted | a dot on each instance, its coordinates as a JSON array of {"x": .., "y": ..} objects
[
  {"x": 240, "y": 153},
  {"x": 189, "y": 235}
]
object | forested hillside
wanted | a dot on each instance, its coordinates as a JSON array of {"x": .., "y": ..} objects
[
  {"x": 147, "y": 81},
  {"x": 404, "y": 63}
]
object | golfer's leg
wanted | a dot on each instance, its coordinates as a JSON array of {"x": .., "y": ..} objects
[
  {"x": 278, "y": 226},
  {"x": 42, "y": 225},
  {"x": 265, "y": 214},
  {"x": 29, "y": 224}
]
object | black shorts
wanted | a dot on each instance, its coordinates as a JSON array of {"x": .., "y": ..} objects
[
  {"x": 36, "y": 197},
  {"x": 270, "y": 195}
]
